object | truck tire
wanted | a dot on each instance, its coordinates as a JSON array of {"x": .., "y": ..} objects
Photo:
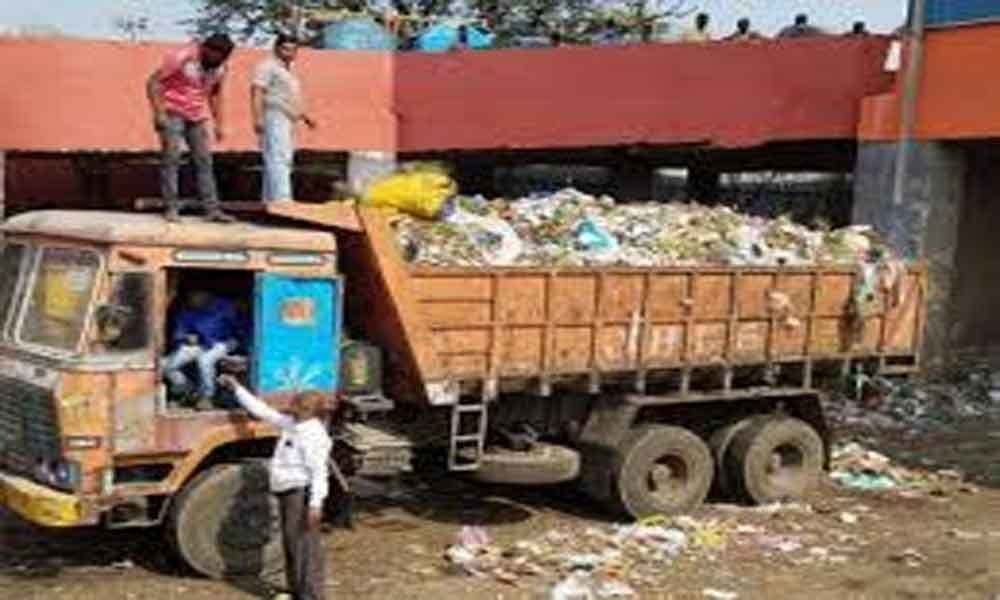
[
  {"x": 774, "y": 459},
  {"x": 661, "y": 470},
  {"x": 225, "y": 523},
  {"x": 544, "y": 464},
  {"x": 720, "y": 443}
]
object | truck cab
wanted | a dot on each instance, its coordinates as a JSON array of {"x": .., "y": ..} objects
[{"x": 89, "y": 432}]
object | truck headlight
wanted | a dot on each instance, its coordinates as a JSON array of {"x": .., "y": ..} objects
[{"x": 58, "y": 473}]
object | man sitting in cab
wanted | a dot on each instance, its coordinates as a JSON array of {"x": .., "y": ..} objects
[{"x": 206, "y": 330}]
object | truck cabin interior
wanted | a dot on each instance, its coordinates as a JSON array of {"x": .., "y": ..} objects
[{"x": 215, "y": 300}]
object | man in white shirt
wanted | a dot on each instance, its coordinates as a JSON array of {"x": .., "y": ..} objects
[
  {"x": 277, "y": 103},
  {"x": 300, "y": 480}
]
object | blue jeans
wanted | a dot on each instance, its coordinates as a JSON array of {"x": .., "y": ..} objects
[
  {"x": 276, "y": 146},
  {"x": 206, "y": 358}
]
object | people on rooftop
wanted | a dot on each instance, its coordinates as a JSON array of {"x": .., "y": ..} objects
[
  {"x": 859, "y": 29},
  {"x": 700, "y": 31},
  {"x": 743, "y": 32},
  {"x": 800, "y": 28}
]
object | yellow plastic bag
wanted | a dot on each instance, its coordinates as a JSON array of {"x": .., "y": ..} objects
[{"x": 418, "y": 193}]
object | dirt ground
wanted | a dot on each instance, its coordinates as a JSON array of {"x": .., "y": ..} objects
[{"x": 924, "y": 545}]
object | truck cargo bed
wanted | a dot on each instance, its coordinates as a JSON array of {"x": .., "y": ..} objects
[{"x": 449, "y": 328}]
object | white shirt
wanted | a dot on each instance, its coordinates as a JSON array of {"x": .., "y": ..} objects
[
  {"x": 300, "y": 457},
  {"x": 282, "y": 90}
]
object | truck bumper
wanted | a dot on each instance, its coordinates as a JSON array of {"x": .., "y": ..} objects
[{"x": 39, "y": 504}]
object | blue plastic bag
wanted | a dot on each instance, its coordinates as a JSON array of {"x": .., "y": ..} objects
[{"x": 358, "y": 33}]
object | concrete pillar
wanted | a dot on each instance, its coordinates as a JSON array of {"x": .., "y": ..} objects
[
  {"x": 3, "y": 185},
  {"x": 633, "y": 181},
  {"x": 924, "y": 226}
]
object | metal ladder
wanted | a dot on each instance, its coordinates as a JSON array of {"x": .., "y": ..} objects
[{"x": 465, "y": 447}]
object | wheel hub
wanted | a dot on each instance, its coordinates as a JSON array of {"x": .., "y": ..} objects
[{"x": 667, "y": 477}]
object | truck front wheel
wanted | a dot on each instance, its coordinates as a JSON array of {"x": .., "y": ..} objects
[
  {"x": 774, "y": 459},
  {"x": 225, "y": 522},
  {"x": 662, "y": 470}
]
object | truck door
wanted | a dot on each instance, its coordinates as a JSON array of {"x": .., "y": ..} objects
[{"x": 297, "y": 329}]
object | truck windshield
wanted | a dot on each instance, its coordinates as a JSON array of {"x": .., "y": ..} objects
[
  {"x": 11, "y": 266},
  {"x": 59, "y": 298}
]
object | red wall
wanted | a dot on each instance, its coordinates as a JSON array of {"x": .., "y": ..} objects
[
  {"x": 81, "y": 95},
  {"x": 727, "y": 94},
  {"x": 84, "y": 95},
  {"x": 959, "y": 95}
]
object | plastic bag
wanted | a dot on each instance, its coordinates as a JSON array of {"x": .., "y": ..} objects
[
  {"x": 420, "y": 193},
  {"x": 494, "y": 237},
  {"x": 365, "y": 168},
  {"x": 596, "y": 242}
]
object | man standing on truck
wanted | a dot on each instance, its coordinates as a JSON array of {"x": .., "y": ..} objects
[
  {"x": 277, "y": 104},
  {"x": 300, "y": 480},
  {"x": 206, "y": 330},
  {"x": 185, "y": 93}
]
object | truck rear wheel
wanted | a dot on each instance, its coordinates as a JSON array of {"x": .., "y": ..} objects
[
  {"x": 225, "y": 523},
  {"x": 720, "y": 443},
  {"x": 661, "y": 470},
  {"x": 775, "y": 458}
]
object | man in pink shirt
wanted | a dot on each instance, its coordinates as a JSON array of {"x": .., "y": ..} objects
[{"x": 185, "y": 93}]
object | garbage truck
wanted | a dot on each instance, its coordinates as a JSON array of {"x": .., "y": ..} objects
[{"x": 647, "y": 387}]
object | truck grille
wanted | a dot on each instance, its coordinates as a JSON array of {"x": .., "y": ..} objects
[{"x": 29, "y": 430}]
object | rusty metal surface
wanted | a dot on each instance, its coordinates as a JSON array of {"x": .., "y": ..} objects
[{"x": 154, "y": 230}]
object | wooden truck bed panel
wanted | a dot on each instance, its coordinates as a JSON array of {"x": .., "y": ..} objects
[{"x": 551, "y": 323}]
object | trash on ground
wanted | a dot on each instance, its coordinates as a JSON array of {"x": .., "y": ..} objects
[{"x": 715, "y": 594}]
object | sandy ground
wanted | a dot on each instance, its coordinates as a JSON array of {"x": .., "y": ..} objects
[{"x": 396, "y": 549}]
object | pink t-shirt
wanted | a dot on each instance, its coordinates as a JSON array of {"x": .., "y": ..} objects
[{"x": 186, "y": 84}]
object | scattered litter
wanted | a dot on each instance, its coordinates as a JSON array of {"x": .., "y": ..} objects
[
  {"x": 876, "y": 403},
  {"x": 715, "y": 594},
  {"x": 615, "y": 589},
  {"x": 848, "y": 518},
  {"x": 576, "y": 586},
  {"x": 779, "y": 543},
  {"x": 910, "y": 557},
  {"x": 965, "y": 535},
  {"x": 473, "y": 537},
  {"x": 855, "y": 467}
]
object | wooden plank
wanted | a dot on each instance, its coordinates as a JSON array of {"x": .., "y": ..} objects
[
  {"x": 645, "y": 331},
  {"x": 595, "y": 361},
  {"x": 549, "y": 338}
]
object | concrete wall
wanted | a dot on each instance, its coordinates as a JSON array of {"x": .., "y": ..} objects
[
  {"x": 75, "y": 96},
  {"x": 959, "y": 91},
  {"x": 925, "y": 226},
  {"x": 977, "y": 291}
]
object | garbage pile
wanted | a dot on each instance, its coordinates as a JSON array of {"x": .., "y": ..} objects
[
  {"x": 876, "y": 403},
  {"x": 856, "y": 467},
  {"x": 570, "y": 228}
]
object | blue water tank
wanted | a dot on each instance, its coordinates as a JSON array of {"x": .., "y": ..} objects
[
  {"x": 949, "y": 12},
  {"x": 357, "y": 33},
  {"x": 441, "y": 38}
]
